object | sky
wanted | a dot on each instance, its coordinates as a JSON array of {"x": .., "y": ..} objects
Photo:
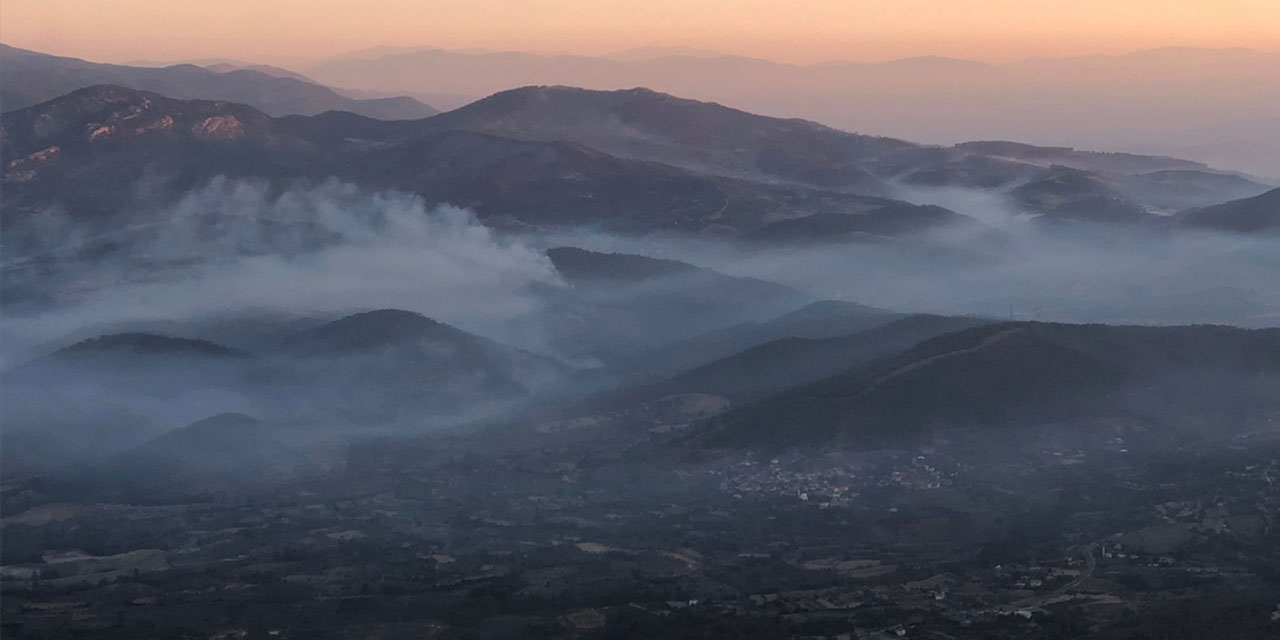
[{"x": 802, "y": 31}]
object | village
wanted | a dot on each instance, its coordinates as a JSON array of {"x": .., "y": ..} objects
[{"x": 909, "y": 543}]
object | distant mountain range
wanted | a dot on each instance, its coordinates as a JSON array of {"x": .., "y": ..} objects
[
  {"x": 31, "y": 78},
  {"x": 1139, "y": 101},
  {"x": 110, "y": 137},
  {"x": 1133, "y": 102},
  {"x": 710, "y": 138}
]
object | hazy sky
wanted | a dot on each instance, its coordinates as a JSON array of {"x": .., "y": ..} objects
[{"x": 790, "y": 30}]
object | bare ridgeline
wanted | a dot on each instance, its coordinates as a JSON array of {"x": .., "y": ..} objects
[{"x": 578, "y": 364}]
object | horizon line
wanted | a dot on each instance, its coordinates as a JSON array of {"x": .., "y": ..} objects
[{"x": 707, "y": 54}]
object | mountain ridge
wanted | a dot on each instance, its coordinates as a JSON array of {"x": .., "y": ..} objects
[{"x": 32, "y": 77}]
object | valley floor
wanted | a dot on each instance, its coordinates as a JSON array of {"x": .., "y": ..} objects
[{"x": 442, "y": 539}]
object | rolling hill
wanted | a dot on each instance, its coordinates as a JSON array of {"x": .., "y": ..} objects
[
  {"x": 772, "y": 366},
  {"x": 1259, "y": 214},
  {"x": 104, "y": 395},
  {"x": 132, "y": 362},
  {"x": 1200, "y": 380},
  {"x": 108, "y": 394},
  {"x": 393, "y": 365}
]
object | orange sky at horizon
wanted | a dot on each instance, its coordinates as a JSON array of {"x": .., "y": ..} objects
[{"x": 293, "y": 31}]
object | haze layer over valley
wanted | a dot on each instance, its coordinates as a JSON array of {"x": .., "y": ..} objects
[{"x": 284, "y": 360}]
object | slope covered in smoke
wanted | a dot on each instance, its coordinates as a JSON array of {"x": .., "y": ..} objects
[
  {"x": 621, "y": 305},
  {"x": 372, "y": 369},
  {"x": 31, "y": 78},
  {"x": 1163, "y": 182},
  {"x": 151, "y": 364},
  {"x": 1182, "y": 189},
  {"x": 225, "y": 446},
  {"x": 588, "y": 268},
  {"x": 106, "y": 394},
  {"x": 394, "y": 365},
  {"x": 883, "y": 222},
  {"x": 1064, "y": 195},
  {"x": 1196, "y": 381}
]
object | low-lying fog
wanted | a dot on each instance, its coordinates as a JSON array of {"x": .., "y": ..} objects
[{"x": 324, "y": 250}]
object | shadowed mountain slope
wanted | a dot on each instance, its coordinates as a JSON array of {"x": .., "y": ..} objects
[
  {"x": 773, "y": 366},
  {"x": 1021, "y": 375},
  {"x": 1259, "y": 214},
  {"x": 817, "y": 320}
]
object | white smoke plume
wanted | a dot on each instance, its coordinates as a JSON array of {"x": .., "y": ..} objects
[{"x": 325, "y": 249}]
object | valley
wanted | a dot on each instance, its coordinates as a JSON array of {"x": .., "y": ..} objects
[{"x": 287, "y": 360}]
